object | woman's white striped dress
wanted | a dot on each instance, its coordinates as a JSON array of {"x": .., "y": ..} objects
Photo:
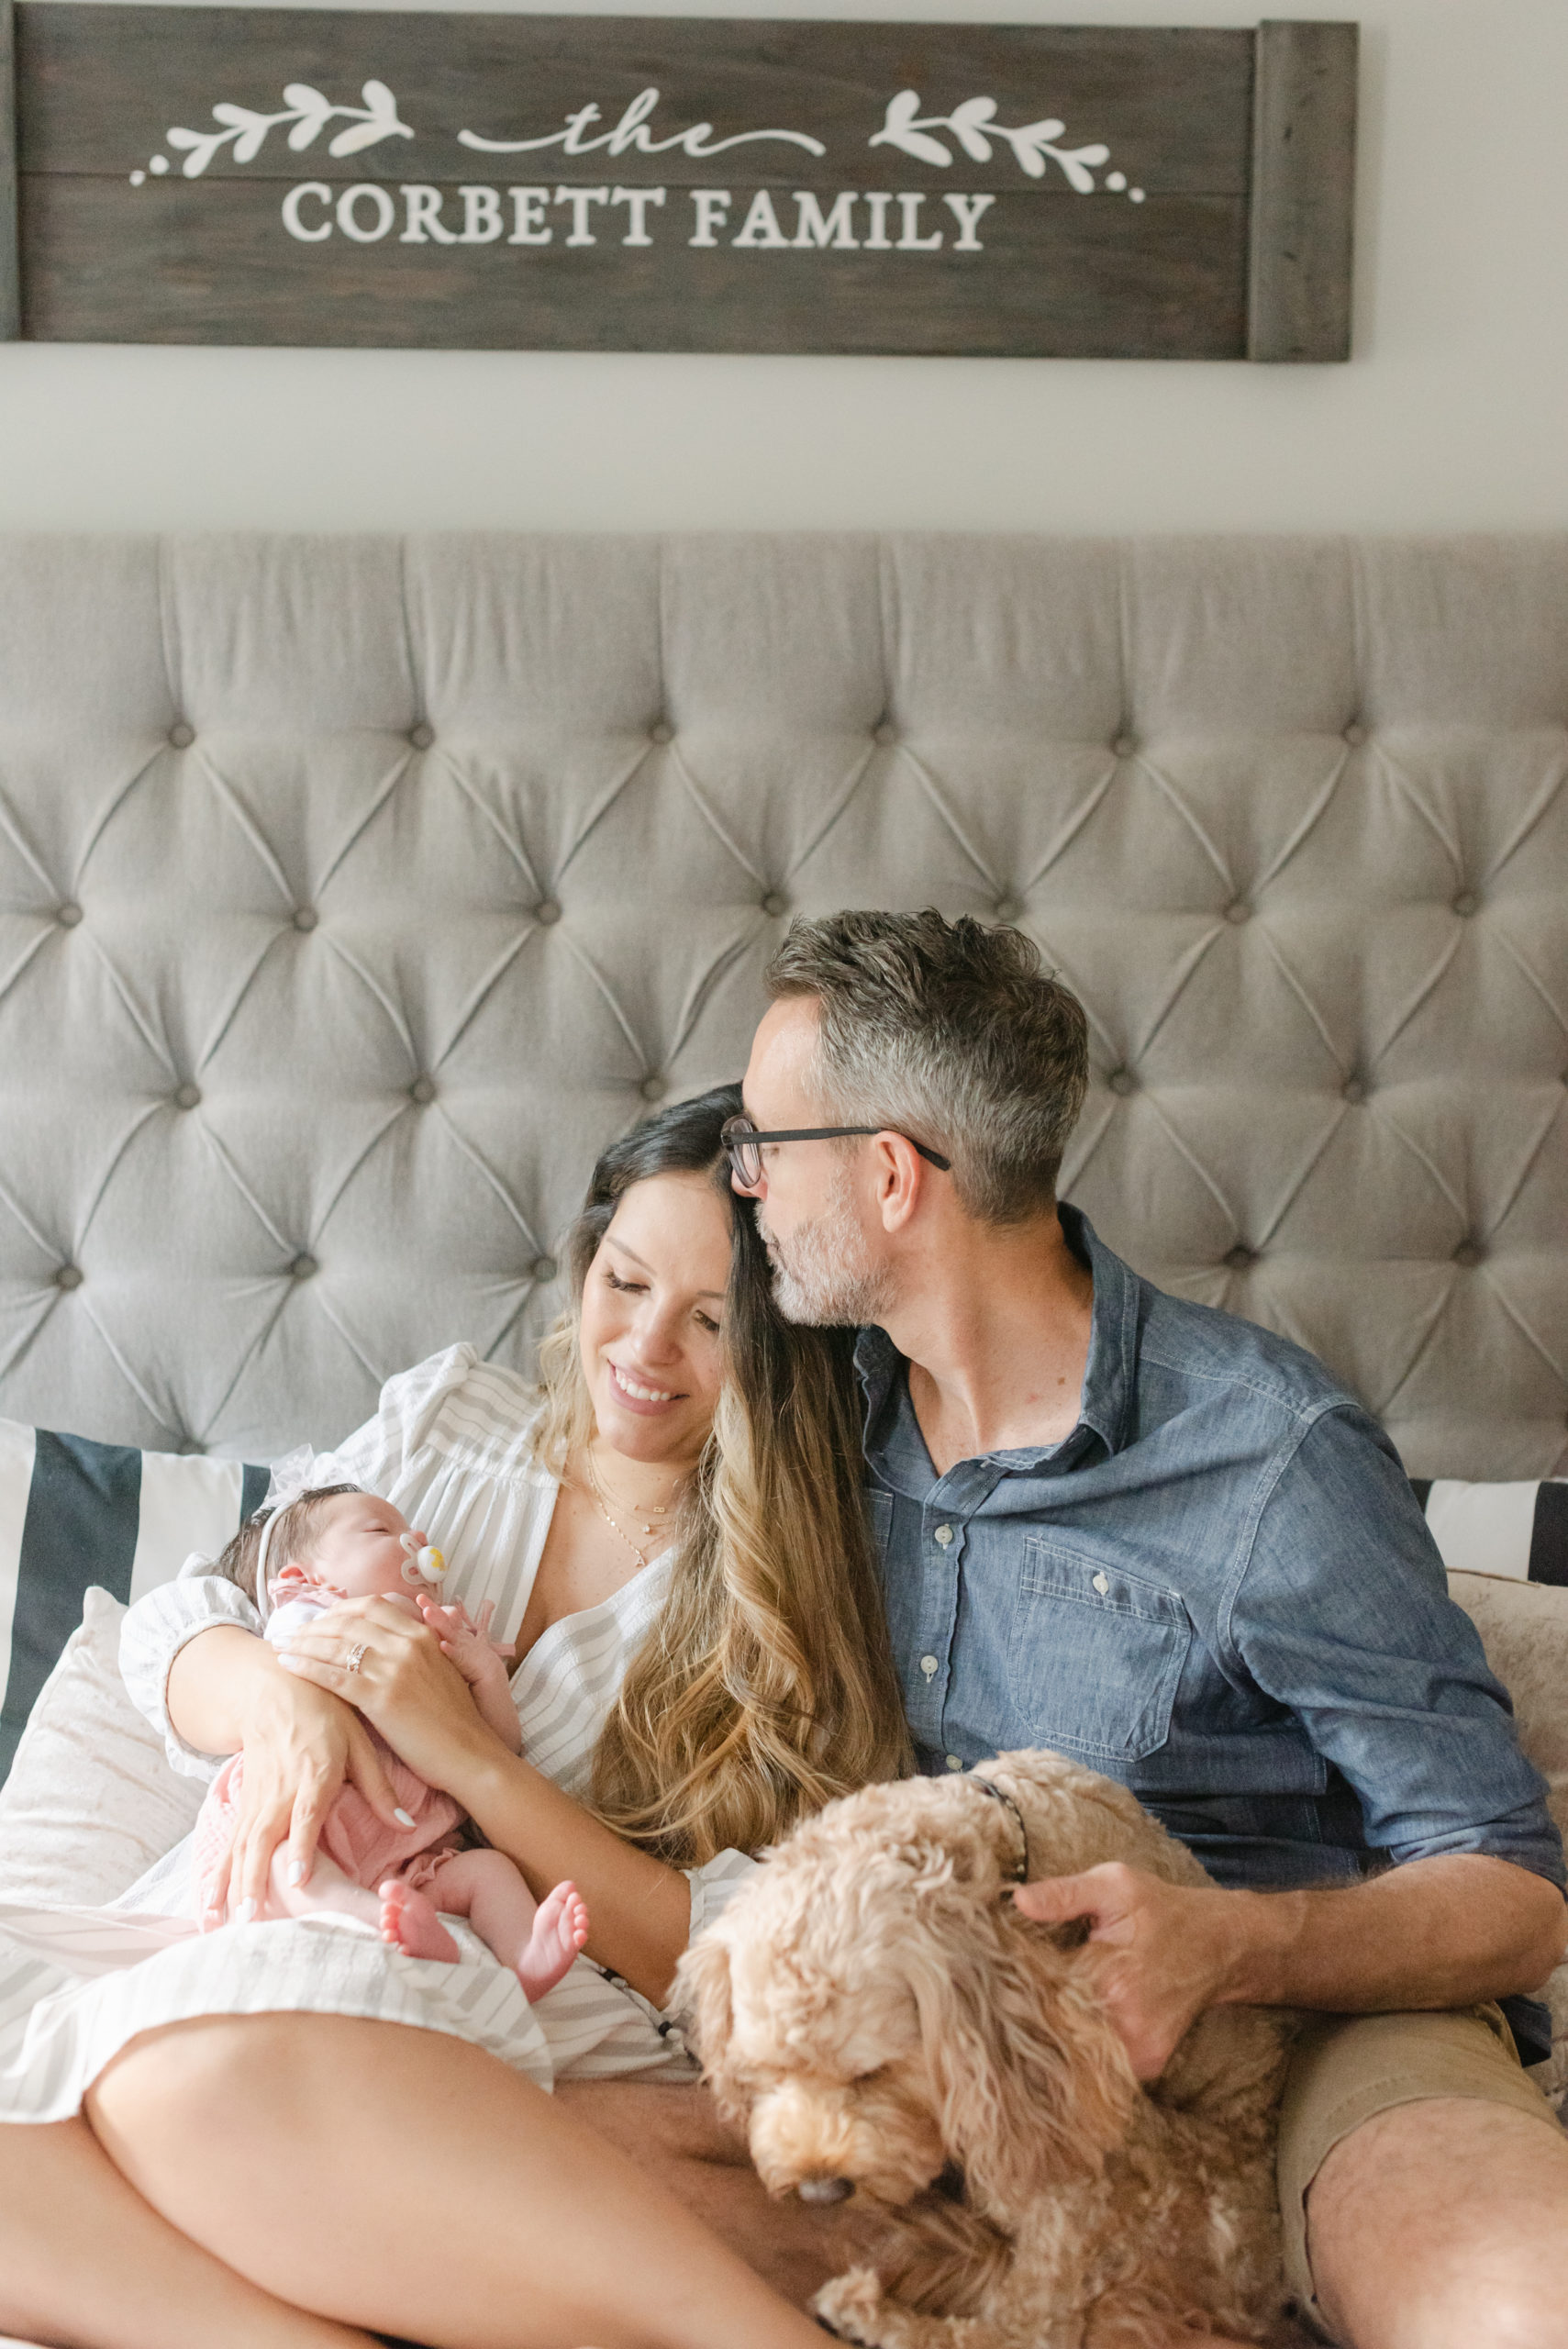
[{"x": 452, "y": 1447}]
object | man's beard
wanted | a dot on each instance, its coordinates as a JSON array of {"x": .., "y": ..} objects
[{"x": 823, "y": 1275}]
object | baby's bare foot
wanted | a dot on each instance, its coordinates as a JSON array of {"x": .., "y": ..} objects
[
  {"x": 410, "y": 1923},
  {"x": 560, "y": 1928}
]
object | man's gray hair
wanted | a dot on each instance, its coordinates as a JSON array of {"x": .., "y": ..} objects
[{"x": 952, "y": 1033}]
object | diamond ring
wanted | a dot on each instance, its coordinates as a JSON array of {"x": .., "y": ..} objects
[{"x": 356, "y": 1657}]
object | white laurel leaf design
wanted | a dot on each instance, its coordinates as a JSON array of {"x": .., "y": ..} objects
[
  {"x": 307, "y": 110},
  {"x": 974, "y": 126}
]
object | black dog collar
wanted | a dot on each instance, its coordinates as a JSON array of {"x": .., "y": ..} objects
[{"x": 1020, "y": 1870}]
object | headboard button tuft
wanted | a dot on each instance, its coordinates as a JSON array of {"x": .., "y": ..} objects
[
  {"x": 774, "y": 904},
  {"x": 1466, "y": 904},
  {"x": 1354, "y": 1088},
  {"x": 653, "y": 1088},
  {"x": 1238, "y": 911},
  {"x": 543, "y": 1268},
  {"x": 884, "y": 731},
  {"x": 1125, "y": 745},
  {"x": 305, "y": 918},
  {"x": 1241, "y": 1259},
  {"x": 422, "y": 1090},
  {"x": 1355, "y": 735},
  {"x": 1469, "y": 1254},
  {"x": 181, "y": 735},
  {"x": 547, "y": 911},
  {"x": 1122, "y": 1082},
  {"x": 661, "y": 731},
  {"x": 422, "y": 735},
  {"x": 68, "y": 1276},
  {"x": 303, "y": 1267},
  {"x": 188, "y": 1097},
  {"x": 67, "y": 915}
]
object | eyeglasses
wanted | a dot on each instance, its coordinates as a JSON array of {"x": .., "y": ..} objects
[{"x": 743, "y": 1144}]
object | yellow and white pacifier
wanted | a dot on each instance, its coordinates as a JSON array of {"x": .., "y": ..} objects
[{"x": 425, "y": 1566}]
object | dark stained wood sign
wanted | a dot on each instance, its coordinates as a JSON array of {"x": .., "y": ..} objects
[{"x": 238, "y": 176}]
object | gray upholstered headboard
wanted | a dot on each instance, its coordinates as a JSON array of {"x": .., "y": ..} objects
[{"x": 353, "y": 891}]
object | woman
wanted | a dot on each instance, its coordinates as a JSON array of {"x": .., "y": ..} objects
[{"x": 678, "y": 1534}]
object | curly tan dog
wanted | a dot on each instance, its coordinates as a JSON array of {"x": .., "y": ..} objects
[{"x": 873, "y": 2009}]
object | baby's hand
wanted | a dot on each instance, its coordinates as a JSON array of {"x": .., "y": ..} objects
[
  {"x": 482, "y": 1663},
  {"x": 479, "y": 1658}
]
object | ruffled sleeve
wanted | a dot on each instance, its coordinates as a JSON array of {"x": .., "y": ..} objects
[
  {"x": 154, "y": 1631},
  {"x": 716, "y": 1884}
]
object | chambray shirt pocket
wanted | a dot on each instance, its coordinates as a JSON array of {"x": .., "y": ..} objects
[{"x": 1097, "y": 1654}]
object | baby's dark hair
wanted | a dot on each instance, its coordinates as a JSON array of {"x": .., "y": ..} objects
[{"x": 298, "y": 1526}]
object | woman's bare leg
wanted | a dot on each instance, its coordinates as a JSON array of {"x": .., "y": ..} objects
[
  {"x": 85, "y": 2262},
  {"x": 404, "y": 2181}
]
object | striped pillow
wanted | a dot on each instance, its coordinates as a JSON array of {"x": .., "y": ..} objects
[
  {"x": 1517, "y": 1531},
  {"x": 73, "y": 1513}
]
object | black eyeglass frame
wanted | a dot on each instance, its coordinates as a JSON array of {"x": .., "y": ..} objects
[{"x": 739, "y": 1133}]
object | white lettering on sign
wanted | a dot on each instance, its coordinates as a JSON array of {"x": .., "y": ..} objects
[
  {"x": 580, "y": 198},
  {"x": 637, "y": 201},
  {"x": 630, "y": 135},
  {"x": 382, "y": 206},
  {"x": 878, "y": 240},
  {"x": 365, "y": 212},
  {"x": 713, "y": 214},
  {"x": 423, "y": 207},
  {"x": 528, "y": 225},
  {"x": 482, "y": 221},
  {"x": 835, "y": 229},
  {"x": 762, "y": 224},
  {"x": 318, "y": 193},
  {"x": 911, "y": 241}
]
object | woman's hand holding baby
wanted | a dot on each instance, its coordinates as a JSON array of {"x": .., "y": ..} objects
[
  {"x": 300, "y": 1746},
  {"x": 402, "y": 1682}
]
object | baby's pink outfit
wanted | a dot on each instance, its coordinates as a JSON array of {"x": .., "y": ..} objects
[{"x": 366, "y": 1849}]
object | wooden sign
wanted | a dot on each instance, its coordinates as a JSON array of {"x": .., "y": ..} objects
[{"x": 664, "y": 184}]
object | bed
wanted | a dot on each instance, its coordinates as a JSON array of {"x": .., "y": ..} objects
[{"x": 354, "y": 890}]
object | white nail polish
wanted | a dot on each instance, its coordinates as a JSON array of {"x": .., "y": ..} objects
[
  {"x": 297, "y": 1871},
  {"x": 247, "y": 1911},
  {"x": 402, "y": 1818}
]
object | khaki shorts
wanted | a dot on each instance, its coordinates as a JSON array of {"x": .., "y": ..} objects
[{"x": 1348, "y": 2068}]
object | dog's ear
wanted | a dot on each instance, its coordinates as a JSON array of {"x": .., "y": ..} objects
[
  {"x": 1033, "y": 2083},
  {"x": 700, "y": 1996}
]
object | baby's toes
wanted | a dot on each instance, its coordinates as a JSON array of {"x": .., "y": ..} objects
[{"x": 410, "y": 1923}]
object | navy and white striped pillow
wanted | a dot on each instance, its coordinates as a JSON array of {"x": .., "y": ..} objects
[
  {"x": 1519, "y": 1532},
  {"x": 73, "y": 1513}
]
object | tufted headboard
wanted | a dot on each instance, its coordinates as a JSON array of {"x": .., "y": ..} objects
[{"x": 354, "y": 891}]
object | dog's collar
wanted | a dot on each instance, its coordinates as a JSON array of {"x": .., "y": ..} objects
[{"x": 1021, "y": 1869}]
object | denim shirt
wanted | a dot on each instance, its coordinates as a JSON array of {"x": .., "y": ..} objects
[{"x": 1218, "y": 1589}]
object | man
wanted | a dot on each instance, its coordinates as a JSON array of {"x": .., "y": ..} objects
[{"x": 1169, "y": 1544}]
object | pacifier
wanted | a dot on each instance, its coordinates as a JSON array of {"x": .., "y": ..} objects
[{"x": 425, "y": 1564}]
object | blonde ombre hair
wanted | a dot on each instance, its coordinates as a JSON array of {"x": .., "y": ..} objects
[{"x": 766, "y": 1687}]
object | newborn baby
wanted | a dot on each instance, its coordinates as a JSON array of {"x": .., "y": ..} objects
[{"x": 334, "y": 1544}]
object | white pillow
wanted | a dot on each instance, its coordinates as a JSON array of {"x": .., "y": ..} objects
[{"x": 91, "y": 1801}]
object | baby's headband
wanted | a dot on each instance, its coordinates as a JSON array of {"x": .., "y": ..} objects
[{"x": 299, "y": 1472}]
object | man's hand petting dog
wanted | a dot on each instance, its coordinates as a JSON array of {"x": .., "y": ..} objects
[{"x": 1160, "y": 1954}]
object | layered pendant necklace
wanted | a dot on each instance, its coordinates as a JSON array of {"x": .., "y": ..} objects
[{"x": 648, "y": 1521}]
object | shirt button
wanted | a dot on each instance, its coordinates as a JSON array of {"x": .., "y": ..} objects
[
  {"x": 927, "y": 1664},
  {"x": 954, "y": 1763},
  {"x": 944, "y": 1535},
  {"x": 1102, "y": 1584}
]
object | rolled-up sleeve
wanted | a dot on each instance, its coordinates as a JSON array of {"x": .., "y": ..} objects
[
  {"x": 1341, "y": 1612},
  {"x": 154, "y": 1631}
]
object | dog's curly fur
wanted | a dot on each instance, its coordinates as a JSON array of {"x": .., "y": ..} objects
[{"x": 873, "y": 2009}]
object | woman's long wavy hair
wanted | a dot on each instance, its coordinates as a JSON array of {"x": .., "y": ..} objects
[{"x": 766, "y": 1687}]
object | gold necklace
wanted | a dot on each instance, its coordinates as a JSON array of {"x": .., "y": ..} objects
[
  {"x": 657, "y": 1510},
  {"x": 601, "y": 1505}
]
